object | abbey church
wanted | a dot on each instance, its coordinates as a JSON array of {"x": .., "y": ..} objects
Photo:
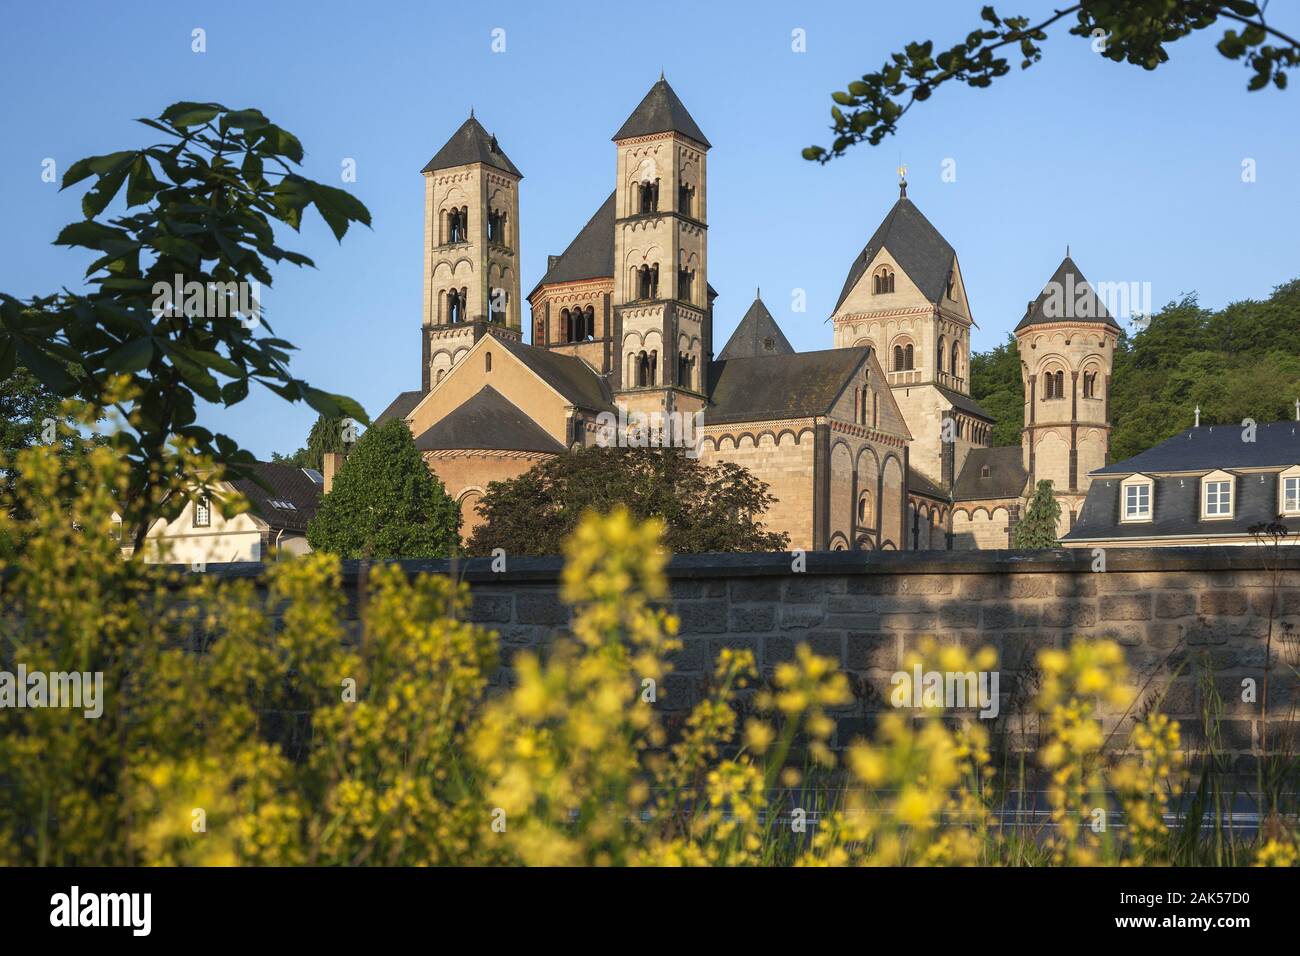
[{"x": 873, "y": 444}]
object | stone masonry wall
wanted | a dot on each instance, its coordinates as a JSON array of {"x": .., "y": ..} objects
[{"x": 1177, "y": 612}]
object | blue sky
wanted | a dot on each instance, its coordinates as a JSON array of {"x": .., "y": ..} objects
[{"x": 1140, "y": 173}]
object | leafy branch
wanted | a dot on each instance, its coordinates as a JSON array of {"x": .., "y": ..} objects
[{"x": 1133, "y": 31}]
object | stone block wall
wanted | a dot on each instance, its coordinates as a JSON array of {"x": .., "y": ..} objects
[{"x": 1179, "y": 614}]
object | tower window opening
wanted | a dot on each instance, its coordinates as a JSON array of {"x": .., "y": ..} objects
[
  {"x": 684, "y": 277},
  {"x": 884, "y": 281},
  {"x": 648, "y": 282},
  {"x": 685, "y": 194},
  {"x": 648, "y": 197}
]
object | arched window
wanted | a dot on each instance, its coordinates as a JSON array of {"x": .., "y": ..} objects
[
  {"x": 956, "y": 355},
  {"x": 456, "y": 305},
  {"x": 875, "y": 409},
  {"x": 866, "y": 510},
  {"x": 648, "y": 282},
  {"x": 487, "y": 361},
  {"x": 458, "y": 224},
  {"x": 685, "y": 194},
  {"x": 907, "y": 357},
  {"x": 642, "y": 370},
  {"x": 684, "y": 277},
  {"x": 898, "y": 358},
  {"x": 441, "y": 373},
  {"x": 589, "y": 332},
  {"x": 648, "y": 197},
  {"x": 884, "y": 281},
  {"x": 1089, "y": 384},
  {"x": 1054, "y": 385},
  {"x": 686, "y": 369},
  {"x": 939, "y": 355}
]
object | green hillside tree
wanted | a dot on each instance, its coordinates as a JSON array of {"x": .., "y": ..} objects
[
  {"x": 1037, "y": 529},
  {"x": 996, "y": 384},
  {"x": 385, "y": 503},
  {"x": 326, "y": 436}
]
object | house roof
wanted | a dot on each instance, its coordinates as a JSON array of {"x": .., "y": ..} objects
[
  {"x": 1176, "y": 509},
  {"x": 399, "y": 407},
  {"x": 921, "y": 485},
  {"x": 291, "y": 501},
  {"x": 1276, "y": 444},
  {"x": 754, "y": 333},
  {"x": 918, "y": 248},
  {"x": 471, "y": 144},
  {"x": 661, "y": 111},
  {"x": 567, "y": 374},
  {"x": 964, "y": 402},
  {"x": 1006, "y": 478},
  {"x": 1060, "y": 294},
  {"x": 591, "y": 253},
  {"x": 488, "y": 420},
  {"x": 800, "y": 385}
]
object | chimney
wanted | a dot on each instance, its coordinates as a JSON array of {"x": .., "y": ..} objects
[{"x": 332, "y": 462}]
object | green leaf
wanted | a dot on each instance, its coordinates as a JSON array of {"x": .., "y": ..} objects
[
  {"x": 51, "y": 372},
  {"x": 186, "y": 114},
  {"x": 131, "y": 357},
  {"x": 102, "y": 193}
]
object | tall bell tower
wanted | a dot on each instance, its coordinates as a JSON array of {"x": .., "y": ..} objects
[
  {"x": 471, "y": 248},
  {"x": 662, "y": 311}
]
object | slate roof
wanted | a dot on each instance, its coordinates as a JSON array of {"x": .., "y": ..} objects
[
  {"x": 1067, "y": 278},
  {"x": 1176, "y": 509},
  {"x": 800, "y": 385},
  {"x": 753, "y": 333},
  {"x": 1006, "y": 479},
  {"x": 292, "y": 500},
  {"x": 399, "y": 407},
  {"x": 918, "y": 248},
  {"x": 1276, "y": 444},
  {"x": 567, "y": 374},
  {"x": 488, "y": 420},
  {"x": 661, "y": 112},
  {"x": 471, "y": 144},
  {"x": 964, "y": 402},
  {"x": 591, "y": 253},
  {"x": 919, "y": 483}
]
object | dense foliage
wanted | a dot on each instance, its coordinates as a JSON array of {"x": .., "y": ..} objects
[
  {"x": 326, "y": 435},
  {"x": 703, "y": 507},
  {"x": 1133, "y": 31},
  {"x": 267, "y": 737},
  {"x": 1037, "y": 529},
  {"x": 385, "y": 503},
  {"x": 1235, "y": 363},
  {"x": 174, "y": 301}
]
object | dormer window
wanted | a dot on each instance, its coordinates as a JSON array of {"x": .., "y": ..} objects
[
  {"x": 1289, "y": 491},
  {"x": 883, "y": 280},
  {"x": 1136, "y": 498},
  {"x": 1216, "y": 495},
  {"x": 984, "y": 471},
  {"x": 202, "y": 512}
]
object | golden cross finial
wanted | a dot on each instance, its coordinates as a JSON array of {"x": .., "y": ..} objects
[{"x": 902, "y": 172}]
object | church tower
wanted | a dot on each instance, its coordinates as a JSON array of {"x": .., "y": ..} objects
[
  {"x": 1067, "y": 350},
  {"x": 662, "y": 314},
  {"x": 905, "y": 298},
  {"x": 471, "y": 249}
]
